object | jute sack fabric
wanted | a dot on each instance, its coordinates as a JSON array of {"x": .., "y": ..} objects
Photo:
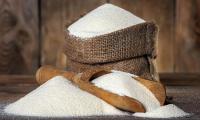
[
  {"x": 137, "y": 40},
  {"x": 132, "y": 49},
  {"x": 140, "y": 66}
]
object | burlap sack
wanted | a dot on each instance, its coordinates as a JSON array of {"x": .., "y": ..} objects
[
  {"x": 132, "y": 49},
  {"x": 140, "y": 66},
  {"x": 134, "y": 41}
]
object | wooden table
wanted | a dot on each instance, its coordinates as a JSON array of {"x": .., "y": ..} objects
[{"x": 185, "y": 95}]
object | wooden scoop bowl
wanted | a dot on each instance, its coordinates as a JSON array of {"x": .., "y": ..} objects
[{"x": 82, "y": 80}]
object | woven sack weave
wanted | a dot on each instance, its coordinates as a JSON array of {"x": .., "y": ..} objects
[
  {"x": 139, "y": 66},
  {"x": 132, "y": 49},
  {"x": 137, "y": 40}
]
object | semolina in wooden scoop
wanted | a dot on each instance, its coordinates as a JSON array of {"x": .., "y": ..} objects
[{"x": 82, "y": 80}]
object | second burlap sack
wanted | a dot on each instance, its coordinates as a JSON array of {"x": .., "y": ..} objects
[{"x": 132, "y": 49}]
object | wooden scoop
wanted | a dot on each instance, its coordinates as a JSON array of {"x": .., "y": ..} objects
[
  {"x": 155, "y": 87},
  {"x": 83, "y": 81}
]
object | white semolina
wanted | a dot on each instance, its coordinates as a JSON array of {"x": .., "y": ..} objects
[
  {"x": 102, "y": 20},
  {"x": 58, "y": 97},
  {"x": 166, "y": 111},
  {"x": 122, "y": 83}
]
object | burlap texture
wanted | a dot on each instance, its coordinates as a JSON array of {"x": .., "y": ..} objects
[
  {"x": 134, "y": 41},
  {"x": 139, "y": 66},
  {"x": 132, "y": 50}
]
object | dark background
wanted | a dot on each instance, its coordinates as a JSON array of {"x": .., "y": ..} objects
[{"x": 32, "y": 32}]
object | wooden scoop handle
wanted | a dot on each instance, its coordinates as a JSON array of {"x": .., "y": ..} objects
[{"x": 45, "y": 73}]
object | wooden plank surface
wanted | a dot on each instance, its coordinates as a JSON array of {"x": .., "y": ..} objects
[
  {"x": 180, "y": 79},
  {"x": 52, "y": 32},
  {"x": 55, "y": 14},
  {"x": 161, "y": 12},
  {"x": 17, "y": 79},
  {"x": 175, "y": 79},
  {"x": 18, "y": 36},
  {"x": 187, "y": 53}
]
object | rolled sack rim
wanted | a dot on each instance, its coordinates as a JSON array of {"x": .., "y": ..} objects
[{"x": 133, "y": 41}]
